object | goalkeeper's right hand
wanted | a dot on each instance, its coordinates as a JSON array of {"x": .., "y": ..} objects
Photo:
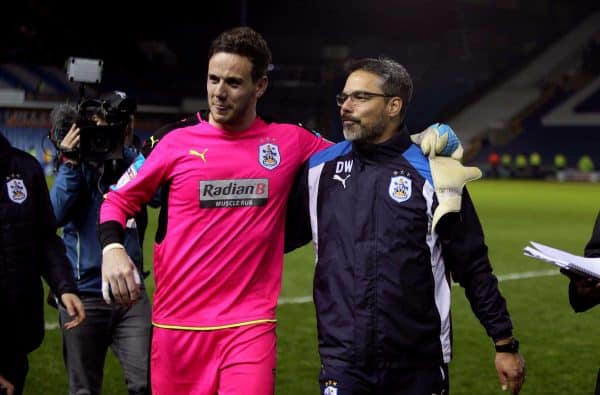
[{"x": 439, "y": 139}]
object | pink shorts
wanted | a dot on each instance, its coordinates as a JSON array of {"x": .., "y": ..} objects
[{"x": 229, "y": 361}]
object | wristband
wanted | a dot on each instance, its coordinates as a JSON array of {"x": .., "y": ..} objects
[
  {"x": 512, "y": 347},
  {"x": 112, "y": 246}
]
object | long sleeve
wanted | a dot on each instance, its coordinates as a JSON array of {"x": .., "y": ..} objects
[
  {"x": 127, "y": 199},
  {"x": 465, "y": 252},
  {"x": 55, "y": 266},
  {"x": 297, "y": 224},
  {"x": 592, "y": 249},
  {"x": 580, "y": 302},
  {"x": 65, "y": 192}
]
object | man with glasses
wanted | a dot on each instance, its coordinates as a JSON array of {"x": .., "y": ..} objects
[{"x": 374, "y": 207}]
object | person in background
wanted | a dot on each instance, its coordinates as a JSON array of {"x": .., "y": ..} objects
[
  {"x": 535, "y": 164},
  {"x": 506, "y": 169},
  {"x": 584, "y": 292},
  {"x": 29, "y": 249},
  {"x": 76, "y": 197},
  {"x": 493, "y": 161}
]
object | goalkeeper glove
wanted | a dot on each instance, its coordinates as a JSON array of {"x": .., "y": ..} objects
[
  {"x": 439, "y": 139},
  {"x": 449, "y": 178}
]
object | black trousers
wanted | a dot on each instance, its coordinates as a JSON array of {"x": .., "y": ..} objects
[
  {"x": 15, "y": 370},
  {"x": 597, "y": 392},
  {"x": 336, "y": 379}
]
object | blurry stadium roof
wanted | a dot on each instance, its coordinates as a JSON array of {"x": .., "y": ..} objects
[
  {"x": 158, "y": 52},
  {"x": 54, "y": 29}
]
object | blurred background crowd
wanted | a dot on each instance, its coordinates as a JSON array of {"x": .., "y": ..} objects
[{"x": 518, "y": 80}]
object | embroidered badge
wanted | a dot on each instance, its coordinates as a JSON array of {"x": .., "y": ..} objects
[
  {"x": 268, "y": 155},
  {"x": 330, "y": 388},
  {"x": 16, "y": 188},
  {"x": 400, "y": 188}
]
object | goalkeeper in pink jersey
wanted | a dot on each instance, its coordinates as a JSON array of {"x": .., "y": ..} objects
[
  {"x": 219, "y": 246},
  {"x": 218, "y": 255}
]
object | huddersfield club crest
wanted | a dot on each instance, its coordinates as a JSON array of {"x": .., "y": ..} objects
[
  {"x": 400, "y": 188},
  {"x": 329, "y": 390},
  {"x": 268, "y": 156},
  {"x": 16, "y": 189},
  {"x": 330, "y": 387}
]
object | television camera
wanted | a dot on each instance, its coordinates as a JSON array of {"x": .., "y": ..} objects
[{"x": 103, "y": 121}]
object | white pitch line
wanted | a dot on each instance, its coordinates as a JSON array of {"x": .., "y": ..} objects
[
  {"x": 524, "y": 275},
  {"x": 308, "y": 299},
  {"x": 296, "y": 300},
  {"x": 501, "y": 278},
  {"x": 50, "y": 326}
]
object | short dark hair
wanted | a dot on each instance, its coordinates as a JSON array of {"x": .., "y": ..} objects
[
  {"x": 244, "y": 41},
  {"x": 396, "y": 80}
]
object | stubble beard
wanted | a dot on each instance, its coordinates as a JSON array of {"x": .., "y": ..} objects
[{"x": 364, "y": 134}]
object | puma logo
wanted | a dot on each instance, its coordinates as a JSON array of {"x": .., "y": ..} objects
[
  {"x": 340, "y": 179},
  {"x": 153, "y": 141},
  {"x": 202, "y": 154}
]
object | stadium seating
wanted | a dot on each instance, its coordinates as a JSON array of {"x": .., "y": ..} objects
[{"x": 452, "y": 65}]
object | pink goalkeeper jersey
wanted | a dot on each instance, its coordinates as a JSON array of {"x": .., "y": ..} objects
[{"x": 220, "y": 262}]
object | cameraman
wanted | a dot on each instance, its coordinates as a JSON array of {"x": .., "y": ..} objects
[{"x": 76, "y": 197}]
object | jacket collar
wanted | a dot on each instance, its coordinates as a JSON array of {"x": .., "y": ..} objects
[{"x": 389, "y": 149}]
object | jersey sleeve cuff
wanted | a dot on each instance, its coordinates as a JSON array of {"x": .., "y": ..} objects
[{"x": 110, "y": 232}]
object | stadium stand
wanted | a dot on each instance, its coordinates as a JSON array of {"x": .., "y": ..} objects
[
  {"x": 564, "y": 119},
  {"x": 457, "y": 58}
]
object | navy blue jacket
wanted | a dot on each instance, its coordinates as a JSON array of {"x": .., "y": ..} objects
[
  {"x": 29, "y": 249},
  {"x": 382, "y": 279}
]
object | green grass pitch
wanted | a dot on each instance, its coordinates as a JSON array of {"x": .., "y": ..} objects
[{"x": 559, "y": 346}]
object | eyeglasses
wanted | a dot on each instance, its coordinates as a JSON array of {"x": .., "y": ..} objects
[{"x": 357, "y": 97}]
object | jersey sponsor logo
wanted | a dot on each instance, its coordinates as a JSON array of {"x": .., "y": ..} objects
[
  {"x": 268, "y": 156},
  {"x": 330, "y": 388},
  {"x": 234, "y": 193},
  {"x": 400, "y": 188},
  {"x": 17, "y": 192},
  {"x": 201, "y": 155}
]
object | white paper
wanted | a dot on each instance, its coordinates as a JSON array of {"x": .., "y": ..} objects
[{"x": 563, "y": 259}]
